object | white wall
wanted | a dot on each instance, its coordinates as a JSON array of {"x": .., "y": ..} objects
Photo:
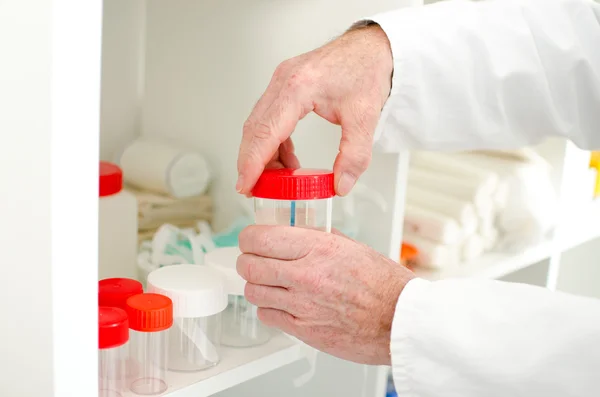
[{"x": 123, "y": 64}]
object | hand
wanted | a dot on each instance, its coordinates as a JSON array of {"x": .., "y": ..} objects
[
  {"x": 329, "y": 291},
  {"x": 346, "y": 82}
]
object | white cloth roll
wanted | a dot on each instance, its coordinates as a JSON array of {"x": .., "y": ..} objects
[
  {"x": 460, "y": 210},
  {"x": 165, "y": 169},
  {"x": 432, "y": 225},
  {"x": 432, "y": 255},
  {"x": 472, "y": 248},
  {"x": 467, "y": 189},
  {"x": 456, "y": 166}
]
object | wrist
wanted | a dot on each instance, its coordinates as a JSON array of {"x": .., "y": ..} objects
[
  {"x": 400, "y": 278},
  {"x": 380, "y": 47}
]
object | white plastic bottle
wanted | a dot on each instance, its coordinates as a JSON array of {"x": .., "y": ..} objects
[{"x": 117, "y": 234}]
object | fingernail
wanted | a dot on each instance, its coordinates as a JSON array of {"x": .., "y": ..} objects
[
  {"x": 239, "y": 184},
  {"x": 345, "y": 184}
]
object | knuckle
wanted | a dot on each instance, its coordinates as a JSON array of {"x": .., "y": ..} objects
[
  {"x": 362, "y": 159},
  {"x": 282, "y": 69},
  {"x": 252, "y": 294},
  {"x": 258, "y": 130},
  {"x": 243, "y": 265}
]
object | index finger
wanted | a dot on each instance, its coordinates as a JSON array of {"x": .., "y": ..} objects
[
  {"x": 262, "y": 135},
  {"x": 279, "y": 242}
]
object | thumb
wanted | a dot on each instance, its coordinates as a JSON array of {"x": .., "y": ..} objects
[{"x": 358, "y": 126}]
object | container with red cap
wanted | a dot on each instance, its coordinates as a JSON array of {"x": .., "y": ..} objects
[
  {"x": 117, "y": 225},
  {"x": 301, "y": 197},
  {"x": 150, "y": 317},
  {"x": 113, "y": 335},
  {"x": 114, "y": 292}
]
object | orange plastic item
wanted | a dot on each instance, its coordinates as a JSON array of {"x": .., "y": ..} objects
[
  {"x": 595, "y": 163},
  {"x": 408, "y": 255},
  {"x": 150, "y": 312}
]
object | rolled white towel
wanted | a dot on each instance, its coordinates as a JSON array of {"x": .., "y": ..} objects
[
  {"x": 460, "y": 210},
  {"x": 489, "y": 232},
  {"x": 433, "y": 255},
  {"x": 473, "y": 247},
  {"x": 455, "y": 165},
  {"x": 165, "y": 169},
  {"x": 462, "y": 188},
  {"x": 432, "y": 225}
]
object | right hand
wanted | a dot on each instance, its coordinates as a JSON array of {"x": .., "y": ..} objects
[{"x": 346, "y": 82}]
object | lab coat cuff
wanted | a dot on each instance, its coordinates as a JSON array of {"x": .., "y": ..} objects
[
  {"x": 407, "y": 39},
  {"x": 404, "y": 329}
]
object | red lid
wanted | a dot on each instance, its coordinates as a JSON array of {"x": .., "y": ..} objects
[
  {"x": 113, "y": 292},
  {"x": 289, "y": 184},
  {"x": 150, "y": 312},
  {"x": 113, "y": 327},
  {"x": 111, "y": 179}
]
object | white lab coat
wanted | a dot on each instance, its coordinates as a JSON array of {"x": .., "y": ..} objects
[{"x": 493, "y": 74}]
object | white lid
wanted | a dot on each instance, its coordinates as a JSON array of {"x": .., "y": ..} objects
[
  {"x": 224, "y": 260},
  {"x": 196, "y": 290}
]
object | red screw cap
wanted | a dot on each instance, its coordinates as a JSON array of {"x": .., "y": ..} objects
[
  {"x": 111, "y": 179},
  {"x": 114, "y": 292},
  {"x": 289, "y": 184},
  {"x": 113, "y": 327},
  {"x": 150, "y": 312}
]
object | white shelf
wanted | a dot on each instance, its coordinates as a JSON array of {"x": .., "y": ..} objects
[
  {"x": 579, "y": 229},
  {"x": 236, "y": 366}
]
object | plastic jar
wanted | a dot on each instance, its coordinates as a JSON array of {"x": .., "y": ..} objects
[
  {"x": 114, "y": 292},
  {"x": 198, "y": 295},
  {"x": 113, "y": 335},
  {"x": 150, "y": 317},
  {"x": 241, "y": 326},
  {"x": 301, "y": 197},
  {"x": 117, "y": 226}
]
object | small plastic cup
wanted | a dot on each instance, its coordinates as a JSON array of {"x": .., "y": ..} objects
[
  {"x": 113, "y": 335},
  {"x": 408, "y": 255},
  {"x": 150, "y": 317},
  {"x": 199, "y": 297},
  {"x": 241, "y": 326},
  {"x": 301, "y": 198},
  {"x": 114, "y": 292}
]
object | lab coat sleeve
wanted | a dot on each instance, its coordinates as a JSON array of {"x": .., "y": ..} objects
[
  {"x": 497, "y": 74},
  {"x": 467, "y": 338}
]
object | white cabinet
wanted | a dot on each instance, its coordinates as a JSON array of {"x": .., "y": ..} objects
[{"x": 187, "y": 70}]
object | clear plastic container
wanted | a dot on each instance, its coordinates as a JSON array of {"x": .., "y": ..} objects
[
  {"x": 113, "y": 335},
  {"x": 241, "y": 326},
  {"x": 117, "y": 226},
  {"x": 150, "y": 317},
  {"x": 301, "y": 197},
  {"x": 199, "y": 297},
  {"x": 114, "y": 292}
]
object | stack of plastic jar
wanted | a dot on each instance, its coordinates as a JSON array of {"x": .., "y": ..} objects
[
  {"x": 301, "y": 197},
  {"x": 198, "y": 295},
  {"x": 114, "y": 292},
  {"x": 113, "y": 335},
  {"x": 150, "y": 317},
  {"x": 241, "y": 326}
]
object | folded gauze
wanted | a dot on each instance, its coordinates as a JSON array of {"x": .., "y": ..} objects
[
  {"x": 468, "y": 189},
  {"x": 433, "y": 255},
  {"x": 456, "y": 166},
  {"x": 459, "y": 209},
  {"x": 432, "y": 225}
]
